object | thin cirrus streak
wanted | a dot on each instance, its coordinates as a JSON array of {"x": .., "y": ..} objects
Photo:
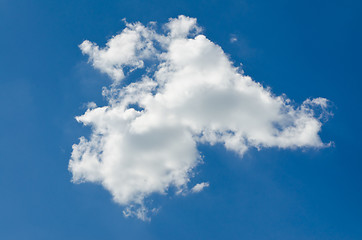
[{"x": 145, "y": 140}]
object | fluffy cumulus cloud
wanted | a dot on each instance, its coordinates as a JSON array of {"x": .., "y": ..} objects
[{"x": 187, "y": 91}]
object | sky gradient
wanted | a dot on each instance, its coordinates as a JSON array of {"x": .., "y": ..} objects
[{"x": 304, "y": 49}]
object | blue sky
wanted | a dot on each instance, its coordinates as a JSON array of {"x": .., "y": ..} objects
[{"x": 304, "y": 49}]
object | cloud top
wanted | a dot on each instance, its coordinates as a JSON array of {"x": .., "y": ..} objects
[{"x": 145, "y": 140}]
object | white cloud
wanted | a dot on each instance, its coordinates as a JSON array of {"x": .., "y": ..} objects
[
  {"x": 199, "y": 187},
  {"x": 144, "y": 141},
  {"x": 128, "y": 49},
  {"x": 182, "y": 26}
]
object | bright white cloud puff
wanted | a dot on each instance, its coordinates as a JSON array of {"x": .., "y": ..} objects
[{"x": 145, "y": 140}]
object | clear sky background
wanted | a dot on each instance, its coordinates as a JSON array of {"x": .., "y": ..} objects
[{"x": 300, "y": 48}]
